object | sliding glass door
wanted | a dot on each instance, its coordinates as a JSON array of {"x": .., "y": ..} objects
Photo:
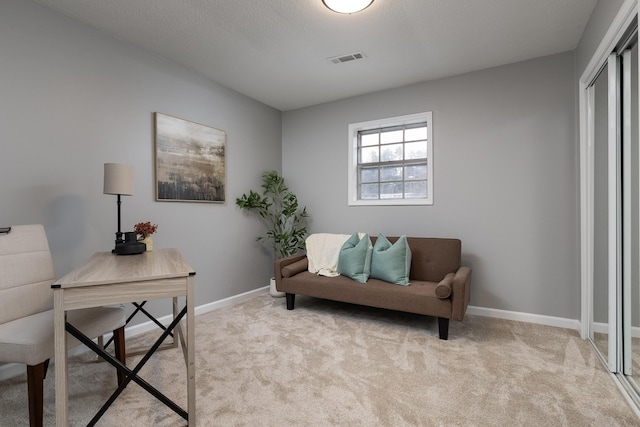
[
  {"x": 599, "y": 97},
  {"x": 630, "y": 218},
  {"x": 613, "y": 235}
]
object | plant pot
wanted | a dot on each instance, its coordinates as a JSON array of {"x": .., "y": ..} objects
[
  {"x": 272, "y": 289},
  {"x": 149, "y": 242}
]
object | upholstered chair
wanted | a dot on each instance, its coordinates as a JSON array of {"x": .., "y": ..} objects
[{"x": 26, "y": 311}]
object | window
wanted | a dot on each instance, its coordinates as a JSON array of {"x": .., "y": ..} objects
[{"x": 391, "y": 161}]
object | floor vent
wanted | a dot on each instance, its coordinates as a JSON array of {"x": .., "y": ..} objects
[{"x": 346, "y": 58}]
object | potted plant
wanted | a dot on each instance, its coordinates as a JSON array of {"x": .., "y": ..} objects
[
  {"x": 144, "y": 230},
  {"x": 278, "y": 208}
]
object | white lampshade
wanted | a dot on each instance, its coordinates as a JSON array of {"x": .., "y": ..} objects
[
  {"x": 118, "y": 179},
  {"x": 347, "y": 6}
]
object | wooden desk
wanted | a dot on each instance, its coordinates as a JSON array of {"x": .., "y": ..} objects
[{"x": 106, "y": 279}]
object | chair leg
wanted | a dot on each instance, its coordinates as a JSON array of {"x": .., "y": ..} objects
[
  {"x": 121, "y": 353},
  {"x": 35, "y": 378}
]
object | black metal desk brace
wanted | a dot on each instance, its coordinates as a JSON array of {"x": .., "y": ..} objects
[
  {"x": 139, "y": 308},
  {"x": 131, "y": 375}
]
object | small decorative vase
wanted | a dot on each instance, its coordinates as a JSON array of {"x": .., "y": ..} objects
[{"x": 149, "y": 242}]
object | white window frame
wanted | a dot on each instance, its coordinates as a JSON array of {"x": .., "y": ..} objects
[{"x": 354, "y": 128}]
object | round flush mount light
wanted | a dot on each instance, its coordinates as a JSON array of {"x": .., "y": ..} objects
[{"x": 347, "y": 6}]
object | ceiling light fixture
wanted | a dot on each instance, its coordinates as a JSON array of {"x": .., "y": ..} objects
[{"x": 347, "y": 6}]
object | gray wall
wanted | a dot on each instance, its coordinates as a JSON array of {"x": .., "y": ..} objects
[
  {"x": 73, "y": 98},
  {"x": 506, "y": 177}
]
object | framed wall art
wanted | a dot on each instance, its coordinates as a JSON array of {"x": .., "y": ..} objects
[{"x": 190, "y": 161}]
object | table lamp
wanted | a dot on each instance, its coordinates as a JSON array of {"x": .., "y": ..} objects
[{"x": 118, "y": 180}]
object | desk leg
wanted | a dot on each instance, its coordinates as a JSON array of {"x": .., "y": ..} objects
[
  {"x": 176, "y": 310},
  {"x": 191, "y": 356},
  {"x": 60, "y": 347}
]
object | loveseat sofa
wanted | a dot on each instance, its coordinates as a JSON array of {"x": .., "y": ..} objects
[{"x": 438, "y": 287}]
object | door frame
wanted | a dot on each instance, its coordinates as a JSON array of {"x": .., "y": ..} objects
[{"x": 614, "y": 35}]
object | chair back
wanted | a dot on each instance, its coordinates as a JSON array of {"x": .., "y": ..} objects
[{"x": 26, "y": 272}]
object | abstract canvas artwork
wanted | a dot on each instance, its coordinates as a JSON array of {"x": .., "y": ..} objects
[{"x": 190, "y": 161}]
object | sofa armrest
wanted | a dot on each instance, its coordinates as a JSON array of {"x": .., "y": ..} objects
[
  {"x": 295, "y": 268},
  {"x": 444, "y": 288},
  {"x": 461, "y": 293},
  {"x": 281, "y": 263}
]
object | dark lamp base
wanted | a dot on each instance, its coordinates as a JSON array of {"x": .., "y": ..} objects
[{"x": 130, "y": 248}]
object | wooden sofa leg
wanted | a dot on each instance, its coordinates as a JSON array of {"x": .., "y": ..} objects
[
  {"x": 443, "y": 328},
  {"x": 35, "y": 378},
  {"x": 121, "y": 354},
  {"x": 291, "y": 300}
]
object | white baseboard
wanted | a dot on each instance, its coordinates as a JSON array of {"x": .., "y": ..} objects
[
  {"x": 559, "y": 322},
  {"x": 201, "y": 309},
  {"x": 10, "y": 370},
  {"x": 603, "y": 328}
]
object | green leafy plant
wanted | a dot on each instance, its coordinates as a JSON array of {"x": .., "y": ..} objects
[{"x": 278, "y": 208}]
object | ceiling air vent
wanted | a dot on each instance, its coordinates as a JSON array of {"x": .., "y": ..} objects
[{"x": 346, "y": 58}]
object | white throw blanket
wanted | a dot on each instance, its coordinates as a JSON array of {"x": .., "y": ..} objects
[{"x": 323, "y": 250}]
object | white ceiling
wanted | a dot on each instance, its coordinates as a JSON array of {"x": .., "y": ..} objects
[{"x": 276, "y": 51}]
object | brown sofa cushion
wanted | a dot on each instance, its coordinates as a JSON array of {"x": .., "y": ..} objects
[
  {"x": 295, "y": 268},
  {"x": 419, "y": 297}
]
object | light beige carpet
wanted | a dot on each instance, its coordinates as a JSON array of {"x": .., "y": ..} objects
[{"x": 332, "y": 364}]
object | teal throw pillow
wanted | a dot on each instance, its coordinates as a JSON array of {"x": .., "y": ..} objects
[
  {"x": 391, "y": 262},
  {"x": 354, "y": 260}
]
